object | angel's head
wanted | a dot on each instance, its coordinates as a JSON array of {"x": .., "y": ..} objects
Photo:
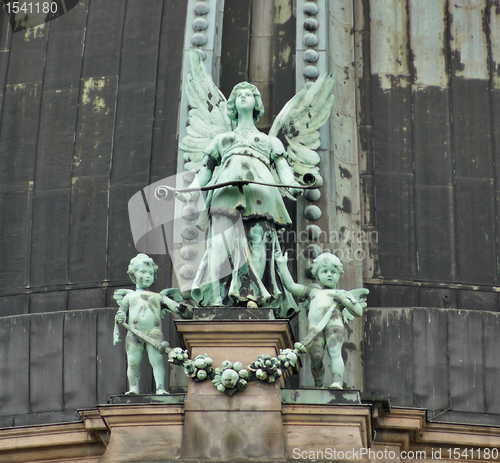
[
  {"x": 142, "y": 270},
  {"x": 258, "y": 109}
]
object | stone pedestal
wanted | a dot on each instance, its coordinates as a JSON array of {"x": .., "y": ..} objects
[{"x": 247, "y": 426}]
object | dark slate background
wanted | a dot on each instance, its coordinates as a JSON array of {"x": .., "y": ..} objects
[{"x": 88, "y": 108}]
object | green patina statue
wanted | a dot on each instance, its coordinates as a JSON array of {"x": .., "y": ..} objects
[
  {"x": 145, "y": 311},
  {"x": 330, "y": 310},
  {"x": 248, "y": 174}
]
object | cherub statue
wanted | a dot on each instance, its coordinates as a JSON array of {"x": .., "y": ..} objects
[
  {"x": 330, "y": 310},
  {"x": 145, "y": 311},
  {"x": 248, "y": 173}
]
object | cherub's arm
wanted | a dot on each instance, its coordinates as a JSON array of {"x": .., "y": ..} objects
[
  {"x": 352, "y": 301},
  {"x": 295, "y": 288},
  {"x": 120, "y": 296},
  {"x": 175, "y": 305}
]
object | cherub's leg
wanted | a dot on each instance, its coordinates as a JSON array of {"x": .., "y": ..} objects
[
  {"x": 135, "y": 350},
  {"x": 156, "y": 361},
  {"x": 334, "y": 340},
  {"x": 316, "y": 351}
]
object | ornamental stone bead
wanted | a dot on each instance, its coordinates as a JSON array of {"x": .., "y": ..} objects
[
  {"x": 311, "y": 40},
  {"x": 311, "y": 56},
  {"x": 198, "y": 39},
  {"x": 312, "y": 195},
  {"x": 312, "y": 212},
  {"x": 311, "y": 72},
  {"x": 201, "y": 8},
  {"x": 200, "y": 24},
  {"x": 310, "y": 8},
  {"x": 310, "y": 24}
]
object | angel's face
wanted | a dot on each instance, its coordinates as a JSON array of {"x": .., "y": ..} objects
[{"x": 245, "y": 100}]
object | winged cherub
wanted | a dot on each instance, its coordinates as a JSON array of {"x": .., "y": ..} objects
[{"x": 224, "y": 148}]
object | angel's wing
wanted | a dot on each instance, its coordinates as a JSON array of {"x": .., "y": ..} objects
[
  {"x": 119, "y": 294},
  {"x": 207, "y": 117},
  {"x": 298, "y": 124}
]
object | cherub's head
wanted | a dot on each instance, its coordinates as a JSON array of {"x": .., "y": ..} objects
[
  {"x": 258, "y": 109},
  {"x": 327, "y": 269},
  {"x": 142, "y": 270}
]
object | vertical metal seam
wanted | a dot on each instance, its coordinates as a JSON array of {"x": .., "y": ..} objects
[
  {"x": 74, "y": 150},
  {"x": 493, "y": 140},
  {"x": 452, "y": 139},
  {"x": 115, "y": 112}
]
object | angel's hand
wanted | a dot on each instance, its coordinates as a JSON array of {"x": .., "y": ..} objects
[
  {"x": 280, "y": 258},
  {"x": 295, "y": 192},
  {"x": 120, "y": 317}
]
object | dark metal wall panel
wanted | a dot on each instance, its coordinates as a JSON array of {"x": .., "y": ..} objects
[
  {"x": 437, "y": 297},
  {"x": 171, "y": 44},
  {"x": 46, "y": 362},
  {"x": 18, "y": 134},
  {"x": 388, "y": 354},
  {"x": 49, "y": 258},
  {"x": 392, "y": 130},
  {"x": 14, "y": 368},
  {"x": 53, "y": 301},
  {"x": 435, "y": 233},
  {"x": 95, "y": 125},
  {"x": 235, "y": 44},
  {"x": 283, "y": 60},
  {"x": 27, "y": 55},
  {"x": 85, "y": 298},
  {"x": 396, "y": 224},
  {"x": 14, "y": 305},
  {"x": 15, "y": 224},
  {"x": 80, "y": 356},
  {"x": 432, "y": 139},
  {"x": 465, "y": 349},
  {"x": 111, "y": 361},
  {"x": 133, "y": 134},
  {"x": 140, "y": 44},
  {"x": 64, "y": 49},
  {"x": 472, "y": 128},
  {"x": 54, "y": 156},
  {"x": 491, "y": 325},
  {"x": 88, "y": 229},
  {"x": 478, "y": 300},
  {"x": 103, "y": 38},
  {"x": 430, "y": 359},
  {"x": 121, "y": 247},
  {"x": 398, "y": 296},
  {"x": 476, "y": 243}
]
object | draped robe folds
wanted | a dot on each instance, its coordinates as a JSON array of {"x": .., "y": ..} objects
[{"x": 243, "y": 224}]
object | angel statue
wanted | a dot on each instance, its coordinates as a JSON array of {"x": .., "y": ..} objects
[{"x": 247, "y": 174}]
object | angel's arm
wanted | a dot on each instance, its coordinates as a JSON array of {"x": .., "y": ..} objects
[
  {"x": 211, "y": 158},
  {"x": 295, "y": 288},
  {"x": 285, "y": 172}
]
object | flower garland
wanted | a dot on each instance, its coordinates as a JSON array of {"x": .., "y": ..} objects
[{"x": 232, "y": 377}]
